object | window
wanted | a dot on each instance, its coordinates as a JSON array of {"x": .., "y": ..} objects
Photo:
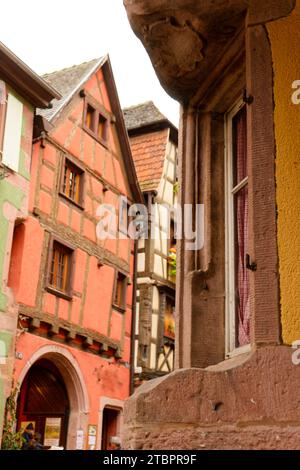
[
  {"x": 166, "y": 340},
  {"x": 169, "y": 319},
  {"x": 72, "y": 182},
  {"x": 96, "y": 123},
  {"x": 90, "y": 118},
  {"x": 125, "y": 218},
  {"x": 237, "y": 275},
  {"x": 120, "y": 291},
  {"x": 12, "y": 133},
  {"x": 102, "y": 127},
  {"x": 172, "y": 253},
  {"x": 3, "y": 101},
  {"x": 61, "y": 258}
]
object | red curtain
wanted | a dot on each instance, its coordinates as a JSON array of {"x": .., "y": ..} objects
[{"x": 241, "y": 208}]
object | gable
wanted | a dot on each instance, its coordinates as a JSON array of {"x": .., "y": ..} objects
[
  {"x": 111, "y": 157},
  {"x": 149, "y": 152}
]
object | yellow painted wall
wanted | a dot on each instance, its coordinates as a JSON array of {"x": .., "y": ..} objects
[{"x": 285, "y": 42}]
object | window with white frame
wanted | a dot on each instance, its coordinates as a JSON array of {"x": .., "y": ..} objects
[
  {"x": 237, "y": 274},
  {"x": 3, "y": 102},
  {"x": 12, "y": 133}
]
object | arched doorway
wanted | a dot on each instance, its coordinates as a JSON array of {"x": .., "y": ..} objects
[
  {"x": 71, "y": 377},
  {"x": 44, "y": 401}
]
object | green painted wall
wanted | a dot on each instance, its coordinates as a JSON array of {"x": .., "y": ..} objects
[
  {"x": 12, "y": 194},
  {"x": 15, "y": 197}
]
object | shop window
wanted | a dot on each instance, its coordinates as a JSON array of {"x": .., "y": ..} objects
[
  {"x": 60, "y": 269},
  {"x": 237, "y": 275},
  {"x": 120, "y": 291},
  {"x": 72, "y": 182}
]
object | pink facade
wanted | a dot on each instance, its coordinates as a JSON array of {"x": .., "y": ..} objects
[{"x": 76, "y": 320}]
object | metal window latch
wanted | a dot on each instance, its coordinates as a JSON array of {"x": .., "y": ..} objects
[
  {"x": 247, "y": 98},
  {"x": 252, "y": 266}
]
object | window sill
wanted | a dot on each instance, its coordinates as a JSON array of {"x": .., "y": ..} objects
[
  {"x": 100, "y": 141},
  {"x": 58, "y": 293},
  {"x": 80, "y": 206},
  {"x": 119, "y": 309},
  {"x": 239, "y": 351}
]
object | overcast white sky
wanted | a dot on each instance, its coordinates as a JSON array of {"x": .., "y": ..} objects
[{"x": 51, "y": 35}]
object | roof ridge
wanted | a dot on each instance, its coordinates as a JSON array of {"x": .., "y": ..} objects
[
  {"x": 72, "y": 67},
  {"x": 139, "y": 104}
]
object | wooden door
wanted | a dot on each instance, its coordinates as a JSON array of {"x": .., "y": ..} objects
[{"x": 44, "y": 402}]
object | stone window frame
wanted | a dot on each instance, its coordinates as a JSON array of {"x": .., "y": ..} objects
[
  {"x": 115, "y": 404},
  {"x": 68, "y": 294},
  {"x": 81, "y": 171},
  {"x": 201, "y": 305}
]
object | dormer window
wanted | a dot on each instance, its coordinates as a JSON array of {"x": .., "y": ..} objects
[{"x": 96, "y": 123}]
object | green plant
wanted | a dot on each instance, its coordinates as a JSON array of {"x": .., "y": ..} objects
[
  {"x": 3, "y": 174},
  {"x": 172, "y": 262},
  {"x": 11, "y": 440},
  {"x": 176, "y": 188}
]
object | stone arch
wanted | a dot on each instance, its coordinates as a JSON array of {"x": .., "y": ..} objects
[{"x": 74, "y": 382}]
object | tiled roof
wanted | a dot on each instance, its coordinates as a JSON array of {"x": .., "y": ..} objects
[
  {"x": 142, "y": 115},
  {"x": 149, "y": 151},
  {"x": 67, "y": 81}
]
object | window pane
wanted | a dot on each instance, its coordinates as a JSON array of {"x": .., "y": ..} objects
[
  {"x": 239, "y": 136},
  {"x": 72, "y": 182},
  {"x": 59, "y": 274},
  {"x": 102, "y": 127},
  {"x": 241, "y": 272},
  {"x": 12, "y": 133},
  {"x": 169, "y": 323},
  {"x": 89, "y": 119},
  {"x": 120, "y": 291}
]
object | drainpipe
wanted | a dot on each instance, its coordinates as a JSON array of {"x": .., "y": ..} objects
[{"x": 133, "y": 323}]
